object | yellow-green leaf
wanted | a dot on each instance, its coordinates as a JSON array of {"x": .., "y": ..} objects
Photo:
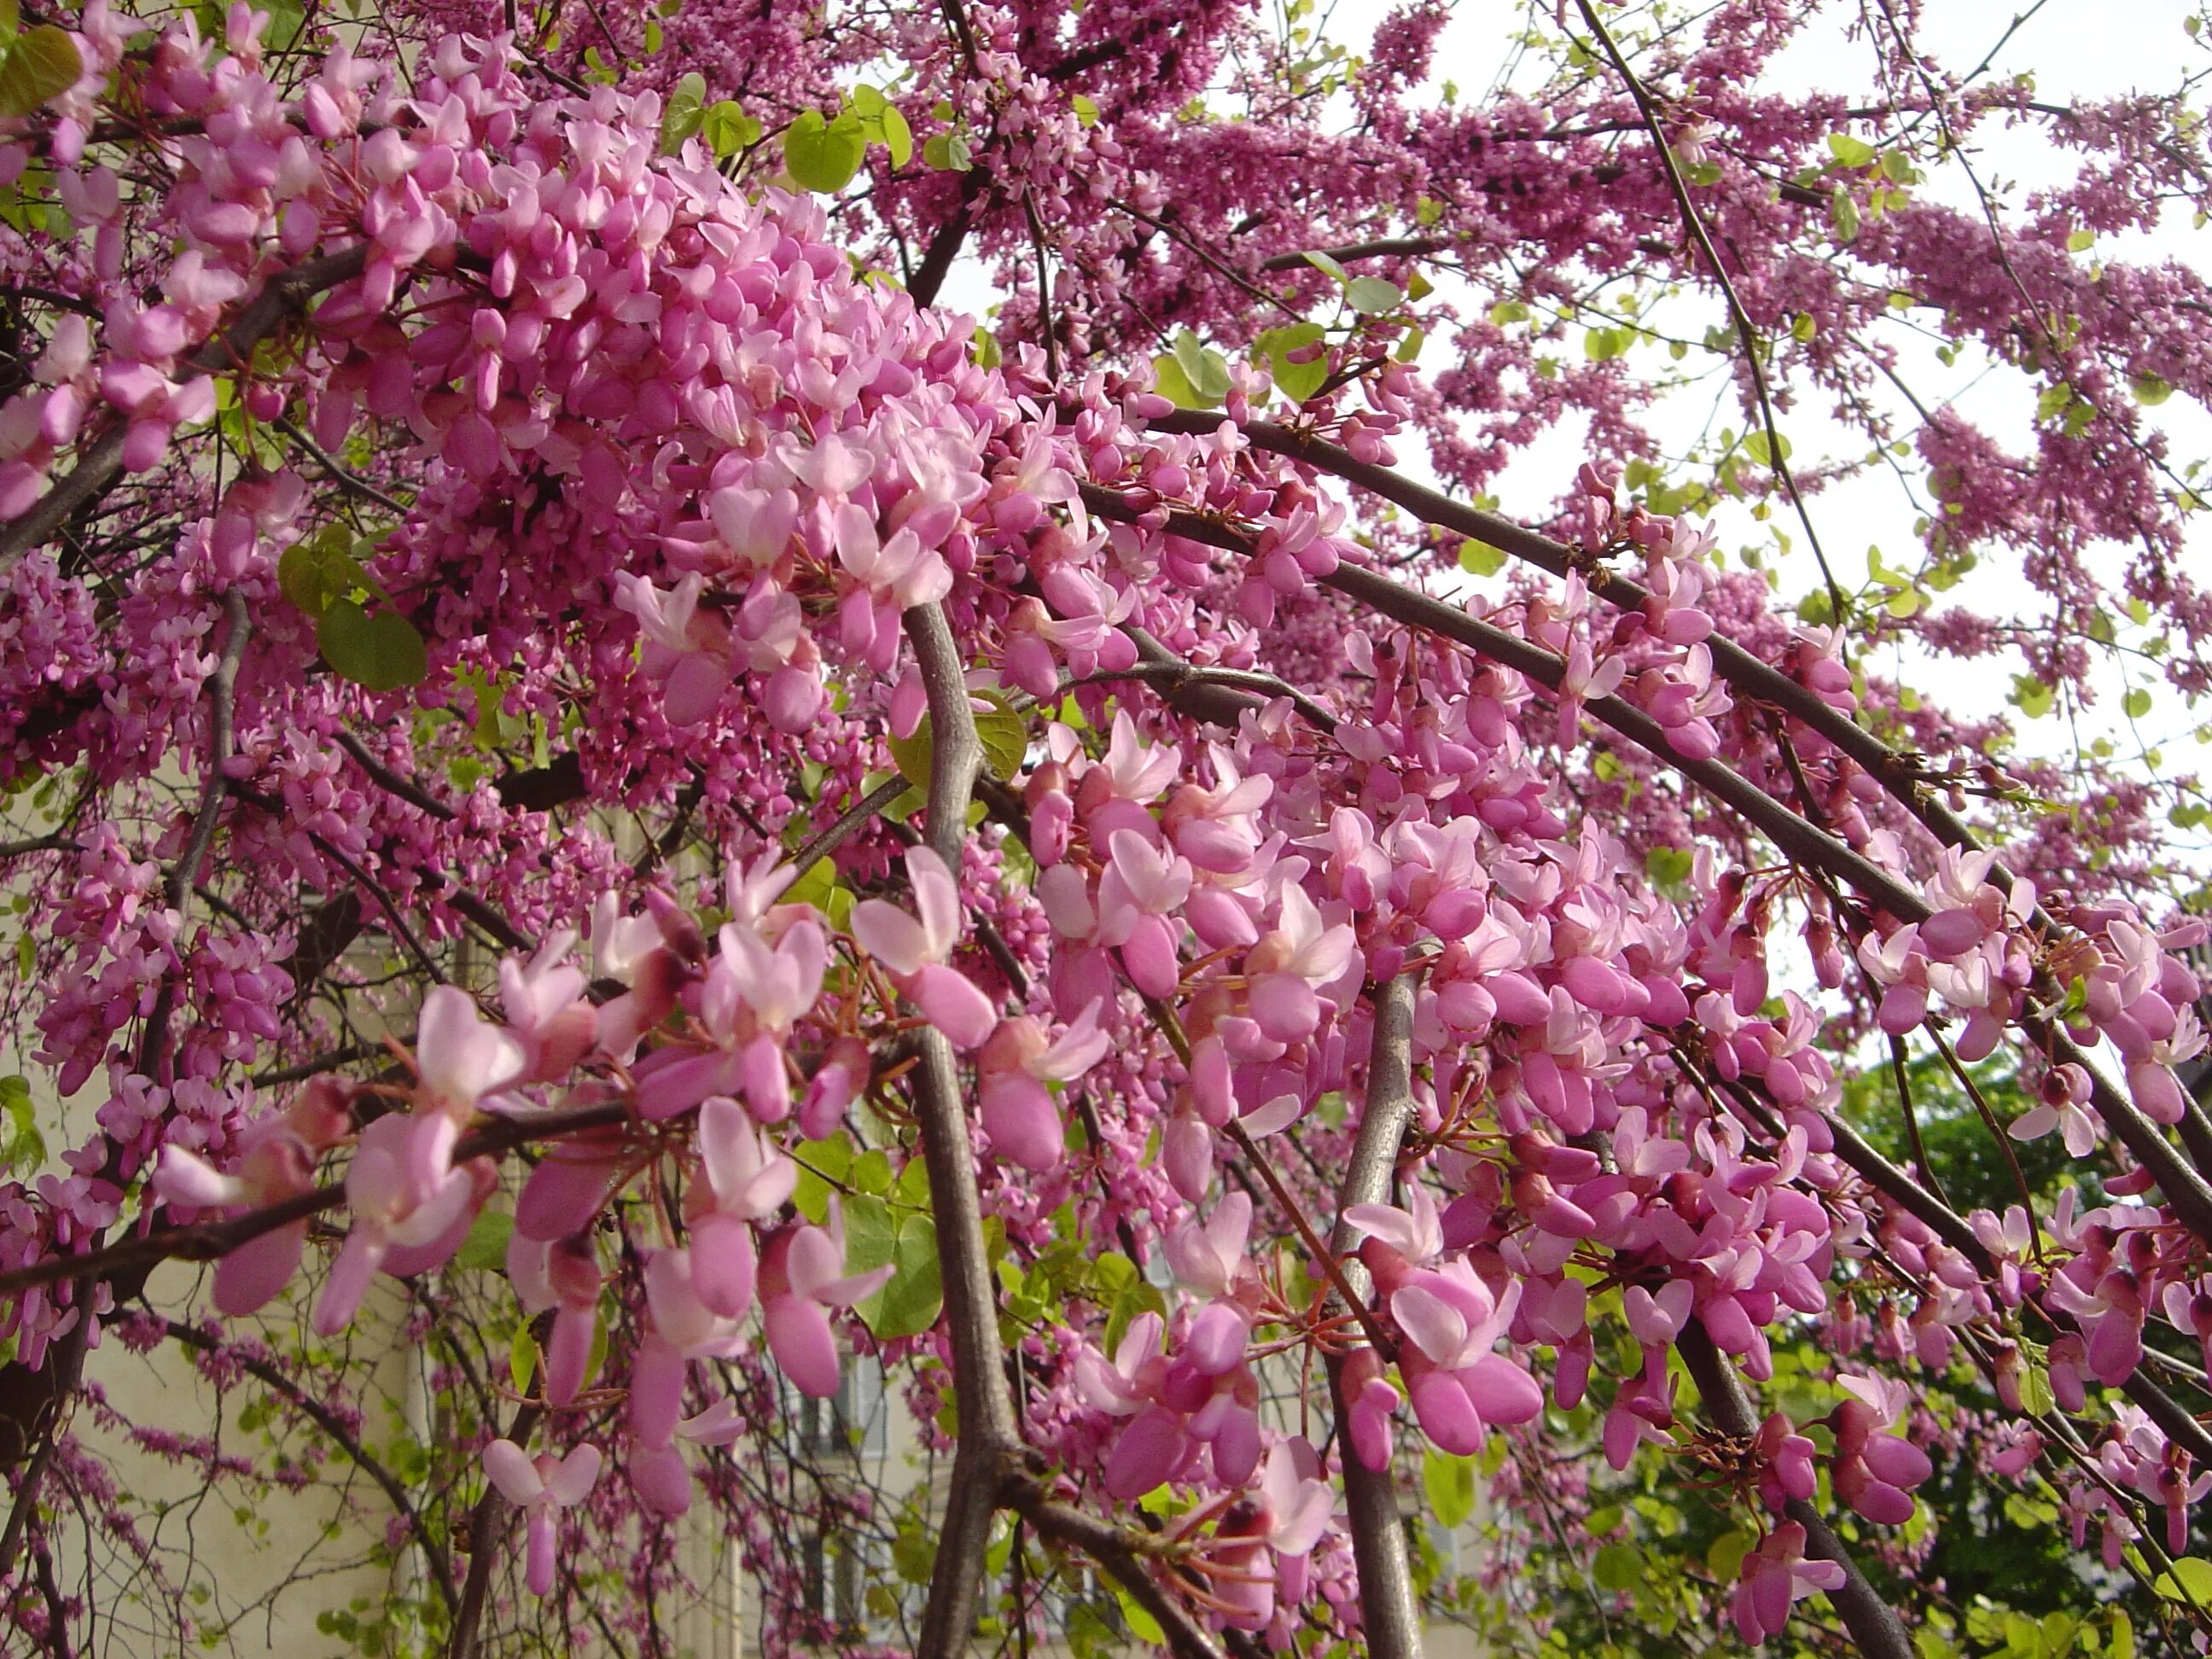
[
  {"x": 686, "y": 112},
  {"x": 1481, "y": 558},
  {"x": 823, "y": 155},
  {"x": 1448, "y": 1482},
  {"x": 898, "y": 136},
  {"x": 41, "y": 64},
  {"x": 382, "y": 651}
]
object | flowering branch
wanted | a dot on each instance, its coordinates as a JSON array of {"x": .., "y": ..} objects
[
  {"x": 1390, "y": 1613},
  {"x": 988, "y": 1438}
]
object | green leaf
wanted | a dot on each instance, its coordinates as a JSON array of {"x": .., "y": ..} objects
[
  {"x": 2031, "y": 696},
  {"x": 1133, "y": 1299},
  {"x": 1756, "y": 446},
  {"x": 24, "y": 1149},
  {"x": 1142, "y": 1626},
  {"x": 2136, "y": 702},
  {"x": 522, "y": 1358},
  {"x": 872, "y": 1176},
  {"x": 1371, "y": 295},
  {"x": 686, "y": 112},
  {"x": 1086, "y": 112},
  {"x": 12, "y": 21},
  {"x": 1329, "y": 263},
  {"x": 1205, "y": 370},
  {"x": 2080, "y": 241},
  {"x": 871, "y": 1239},
  {"x": 914, "y": 1554},
  {"x": 1297, "y": 381},
  {"x": 1725, "y": 1555},
  {"x": 947, "y": 152},
  {"x": 1851, "y": 151},
  {"x": 1603, "y": 344},
  {"x": 2190, "y": 1581},
  {"x": 1618, "y": 1567},
  {"x": 1172, "y": 384},
  {"x": 727, "y": 129},
  {"x": 814, "y": 885},
  {"x": 908, "y": 1305},
  {"x": 898, "y": 136},
  {"x": 824, "y": 155},
  {"x": 41, "y": 64},
  {"x": 313, "y": 573},
  {"x": 912, "y": 755},
  {"x": 2149, "y": 390},
  {"x": 1448, "y": 1481},
  {"x": 485, "y": 1247},
  {"x": 382, "y": 651},
  {"x": 869, "y": 102},
  {"x": 1005, "y": 736},
  {"x": 1844, "y": 217},
  {"x": 1481, "y": 558}
]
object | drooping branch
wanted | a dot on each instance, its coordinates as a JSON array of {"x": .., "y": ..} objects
[
  {"x": 988, "y": 1436},
  {"x": 233, "y": 348},
  {"x": 1872, "y": 1623},
  {"x": 1747, "y": 334},
  {"x": 2183, "y": 1187},
  {"x": 487, "y": 1523},
  {"x": 433, "y": 1551},
  {"x": 1745, "y": 674},
  {"x": 1119, "y": 1552},
  {"x": 208, "y": 1241},
  {"x": 69, "y": 1353},
  {"x": 1389, "y": 1612}
]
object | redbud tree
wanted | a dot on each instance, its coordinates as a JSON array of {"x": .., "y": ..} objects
[{"x": 597, "y": 762}]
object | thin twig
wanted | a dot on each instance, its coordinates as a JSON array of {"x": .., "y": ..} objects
[
  {"x": 441, "y": 1566},
  {"x": 1746, "y": 331}
]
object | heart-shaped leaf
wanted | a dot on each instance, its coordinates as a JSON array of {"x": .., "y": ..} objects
[
  {"x": 382, "y": 651},
  {"x": 822, "y": 154}
]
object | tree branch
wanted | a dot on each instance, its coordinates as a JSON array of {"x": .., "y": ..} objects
[
  {"x": 2183, "y": 1186},
  {"x": 232, "y": 348},
  {"x": 1390, "y": 1614},
  {"x": 988, "y": 1436},
  {"x": 441, "y": 1565},
  {"x": 209, "y": 1241},
  {"x": 1872, "y": 1623},
  {"x": 1116, "y": 1550}
]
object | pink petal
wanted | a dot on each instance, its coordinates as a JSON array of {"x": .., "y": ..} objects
[
  {"x": 953, "y": 1003},
  {"x": 890, "y": 935},
  {"x": 186, "y": 1178},
  {"x": 1024, "y": 1125},
  {"x": 1501, "y": 1391},
  {"x": 1446, "y": 1415},
  {"x": 250, "y": 1277},
  {"x": 1150, "y": 1452},
  {"x": 1437, "y": 1328},
  {"x": 570, "y": 1481},
  {"x": 356, "y": 1265},
  {"x": 723, "y": 1264},
  {"x": 661, "y": 1480},
  {"x": 656, "y": 1392},
  {"x": 799, "y": 1337},
  {"x": 512, "y": 1470},
  {"x": 561, "y": 1196},
  {"x": 568, "y": 1353}
]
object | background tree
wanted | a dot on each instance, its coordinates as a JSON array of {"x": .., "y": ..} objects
[{"x": 567, "y": 718}]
